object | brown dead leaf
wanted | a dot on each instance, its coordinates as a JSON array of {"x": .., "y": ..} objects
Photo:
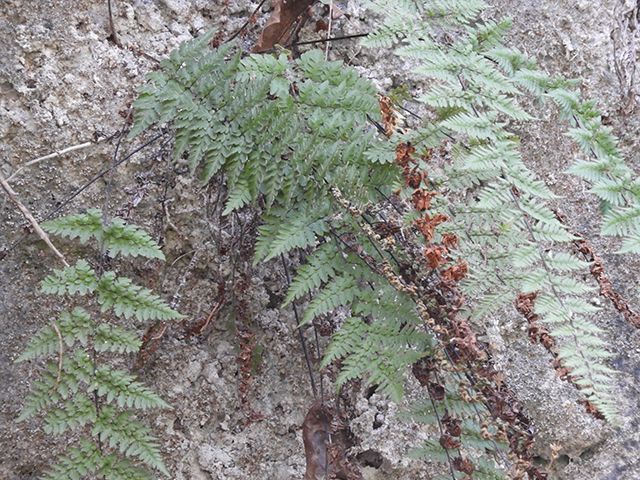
[
  {"x": 455, "y": 273},
  {"x": 315, "y": 429},
  {"x": 327, "y": 440},
  {"x": 279, "y": 27},
  {"x": 463, "y": 465},
  {"x": 452, "y": 425},
  {"x": 448, "y": 442},
  {"x": 436, "y": 256},
  {"x": 422, "y": 199},
  {"x": 428, "y": 225}
]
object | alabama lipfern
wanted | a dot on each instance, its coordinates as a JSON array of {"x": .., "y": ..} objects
[
  {"x": 384, "y": 333},
  {"x": 475, "y": 83},
  {"x": 284, "y": 134},
  {"x": 78, "y": 388},
  {"x": 292, "y": 137},
  {"x": 281, "y": 132}
]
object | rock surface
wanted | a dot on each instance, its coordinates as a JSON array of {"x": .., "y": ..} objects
[{"x": 65, "y": 81}]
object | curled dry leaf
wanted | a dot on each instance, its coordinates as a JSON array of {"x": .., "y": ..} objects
[
  {"x": 463, "y": 465},
  {"x": 280, "y": 26},
  {"x": 455, "y": 273},
  {"x": 327, "y": 459},
  {"x": 436, "y": 256},
  {"x": 421, "y": 199},
  {"x": 386, "y": 229},
  {"x": 450, "y": 241},
  {"x": 437, "y": 391},
  {"x": 427, "y": 225},
  {"x": 449, "y": 442},
  {"x": 404, "y": 154},
  {"x": 452, "y": 425},
  {"x": 315, "y": 429}
]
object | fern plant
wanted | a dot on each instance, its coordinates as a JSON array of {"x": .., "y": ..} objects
[
  {"x": 315, "y": 143},
  {"x": 80, "y": 389},
  {"x": 503, "y": 232},
  {"x": 329, "y": 148},
  {"x": 292, "y": 137}
]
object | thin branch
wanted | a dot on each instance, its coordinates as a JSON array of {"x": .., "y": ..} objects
[
  {"x": 84, "y": 187},
  {"x": 107, "y": 195},
  {"x": 302, "y": 340},
  {"x": 241, "y": 29},
  {"x": 112, "y": 26},
  {"x": 60, "y": 351},
  {"x": 326, "y": 50},
  {"x": 325, "y": 40},
  {"x": 446, "y": 450},
  {"x": 36, "y": 226},
  {"x": 313, "y": 42},
  {"x": 54, "y": 155}
]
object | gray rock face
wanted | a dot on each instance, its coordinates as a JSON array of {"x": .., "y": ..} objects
[{"x": 64, "y": 82}]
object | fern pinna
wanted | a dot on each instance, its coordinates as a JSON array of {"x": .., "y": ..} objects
[
  {"x": 385, "y": 234},
  {"x": 80, "y": 389}
]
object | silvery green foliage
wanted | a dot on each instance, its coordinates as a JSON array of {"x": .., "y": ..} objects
[
  {"x": 474, "y": 85},
  {"x": 292, "y": 137},
  {"x": 284, "y": 133},
  {"x": 76, "y": 390}
]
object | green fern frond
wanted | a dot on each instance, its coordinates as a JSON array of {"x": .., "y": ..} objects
[
  {"x": 79, "y": 279},
  {"x": 507, "y": 106},
  {"x": 596, "y": 171},
  {"x": 124, "y": 389},
  {"x": 568, "y": 101},
  {"x": 323, "y": 265},
  {"x": 117, "y": 236},
  {"x": 81, "y": 225},
  {"x": 87, "y": 460},
  {"x": 460, "y": 11},
  {"x": 385, "y": 303},
  {"x": 546, "y": 303},
  {"x": 515, "y": 65},
  {"x": 285, "y": 231},
  {"x": 72, "y": 413},
  {"x": 341, "y": 290},
  {"x": 447, "y": 97},
  {"x": 53, "y": 389},
  {"x": 76, "y": 326},
  {"x": 623, "y": 221},
  {"x": 486, "y": 469},
  {"x": 630, "y": 244},
  {"x": 129, "y": 437},
  {"x": 531, "y": 79},
  {"x": 565, "y": 262},
  {"x": 115, "y": 339},
  {"x": 379, "y": 352},
  {"x": 539, "y": 279},
  {"x": 482, "y": 126},
  {"x": 431, "y": 451},
  {"x": 527, "y": 255},
  {"x": 613, "y": 192},
  {"x": 489, "y": 33},
  {"x": 129, "y": 240},
  {"x": 132, "y": 300},
  {"x": 239, "y": 196},
  {"x": 538, "y": 211},
  {"x": 552, "y": 232}
]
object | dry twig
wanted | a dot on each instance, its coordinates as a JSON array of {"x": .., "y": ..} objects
[
  {"x": 59, "y": 359},
  {"x": 36, "y": 226},
  {"x": 52, "y": 155}
]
